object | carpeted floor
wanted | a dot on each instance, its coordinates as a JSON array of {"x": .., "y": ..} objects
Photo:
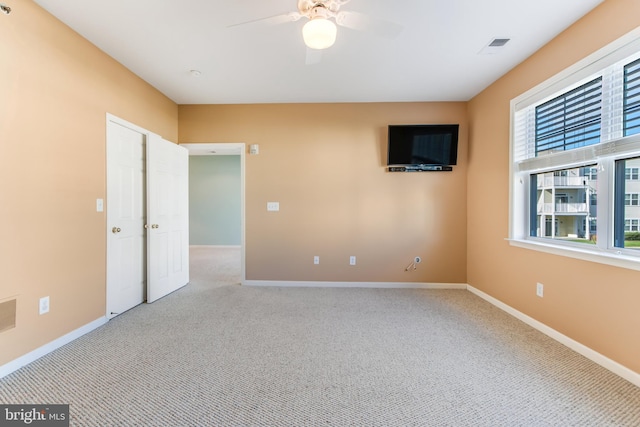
[{"x": 218, "y": 354}]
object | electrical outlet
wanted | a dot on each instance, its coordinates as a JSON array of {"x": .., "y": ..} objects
[
  {"x": 44, "y": 305},
  {"x": 540, "y": 290},
  {"x": 352, "y": 260},
  {"x": 316, "y": 260}
]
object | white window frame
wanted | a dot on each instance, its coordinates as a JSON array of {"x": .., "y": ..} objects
[{"x": 613, "y": 147}]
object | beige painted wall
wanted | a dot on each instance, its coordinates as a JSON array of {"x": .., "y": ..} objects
[
  {"x": 592, "y": 303},
  {"x": 56, "y": 90},
  {"x": 325, "y": 164}
]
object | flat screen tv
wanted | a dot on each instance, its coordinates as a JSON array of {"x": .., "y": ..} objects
[{"x": 423, "y": 145}]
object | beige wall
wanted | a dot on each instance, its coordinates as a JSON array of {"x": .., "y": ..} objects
[
  {"x": 325, "y": 164},
  {"x": 55, "y": 92},
  {"x": 594, "y": 304}
]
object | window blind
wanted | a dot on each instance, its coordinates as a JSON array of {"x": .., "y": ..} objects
[
  {"x": 570, "y": 120},
  {"x": 632, "y": 98}
]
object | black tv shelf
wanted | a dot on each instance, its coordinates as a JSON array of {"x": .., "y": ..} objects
[{"x": 421, "y": 168}]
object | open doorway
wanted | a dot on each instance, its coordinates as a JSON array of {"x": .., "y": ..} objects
[{"x": 217, "y": 211}]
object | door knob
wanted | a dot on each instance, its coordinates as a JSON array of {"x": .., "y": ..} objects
[
  {"x": 146, "y": 226},
  {"x": 116, "y": 230}
]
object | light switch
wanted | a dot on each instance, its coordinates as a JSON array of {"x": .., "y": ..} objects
[
  {"x": 273, "y": 206},
  {"x": 99, "y": 205}
]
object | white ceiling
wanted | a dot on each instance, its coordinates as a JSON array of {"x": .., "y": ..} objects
[{"x": 435, "y": 57}]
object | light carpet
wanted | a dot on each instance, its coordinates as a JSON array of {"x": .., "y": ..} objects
[{"x": 218, "y": 354}]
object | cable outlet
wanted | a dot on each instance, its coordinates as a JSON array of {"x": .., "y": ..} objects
[
  {"x": 540, "y": 290},
  {"x": 417, "y": 260},
  {"x": 316, "y": 260},
  {"x": 352, "y": 260},
  {"x": 44, "y": 305}
]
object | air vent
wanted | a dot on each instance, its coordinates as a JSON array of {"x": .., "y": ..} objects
[
  {"x": 495, "y": 46},
  {"x": 7, "y": 315},
  {"x": 499, "y": 42}
]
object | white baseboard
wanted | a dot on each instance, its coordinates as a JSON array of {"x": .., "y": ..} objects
[
  {"x": 18, "y": 363},
  {"x": 390, "y": 285},
  {"x": 613, "y": 366}
]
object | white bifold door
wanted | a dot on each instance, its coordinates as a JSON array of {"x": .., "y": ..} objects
[
  {"x": 147, "y": 216},
  {"x": 168, "y": 217}
]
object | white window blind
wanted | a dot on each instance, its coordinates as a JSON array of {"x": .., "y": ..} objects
[{"x": 632, "y": 98}]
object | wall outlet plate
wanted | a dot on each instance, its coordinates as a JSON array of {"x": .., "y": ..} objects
[
  {"x": 44, "y": 305},
  {"x": 540, "y": 290}
]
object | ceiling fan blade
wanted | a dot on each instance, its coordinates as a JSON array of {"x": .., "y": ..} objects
[
  {"x": 334, "y": 5},
  {"x": 362, "y": 22},
  {"x": 271, "y": 20},
  {"x": 314, "y": 56}
]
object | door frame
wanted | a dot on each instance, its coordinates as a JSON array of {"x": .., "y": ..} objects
[{"x": 233, "y": 148}]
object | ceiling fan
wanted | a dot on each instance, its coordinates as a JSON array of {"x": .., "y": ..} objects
[{"x": 320, "y": 31}]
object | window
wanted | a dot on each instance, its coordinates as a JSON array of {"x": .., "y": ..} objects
[
  {"x": 592, "y": 173},
  {"x": 565, "y": 202},
  {"x": 575, "y": 151}
]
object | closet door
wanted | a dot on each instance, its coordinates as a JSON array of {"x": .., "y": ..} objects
[
  {"x": 167, "y": 217},
  {"x": 126, "y": 216}
]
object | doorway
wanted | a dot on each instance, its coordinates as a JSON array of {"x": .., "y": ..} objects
[{"x": 219, "y": 150}]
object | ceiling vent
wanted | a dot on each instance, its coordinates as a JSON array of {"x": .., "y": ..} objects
[{"x": 495, "y": 46}]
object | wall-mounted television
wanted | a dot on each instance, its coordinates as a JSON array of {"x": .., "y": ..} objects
[{"x": 423, "y": 145}]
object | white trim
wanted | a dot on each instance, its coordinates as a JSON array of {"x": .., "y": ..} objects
[
  {"x": 594, "y": 356},
  {"x": 390, "y": 285},
  {"x": 36, "y": 354},
  {"x": 616, "y": 259},
  {"x": 243, "y": 214}
]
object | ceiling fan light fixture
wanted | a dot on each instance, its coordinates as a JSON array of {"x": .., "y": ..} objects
[{"x": 319, "y": 33}]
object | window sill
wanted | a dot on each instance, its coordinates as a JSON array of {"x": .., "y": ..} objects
[{"x": 610, "y": 258}]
